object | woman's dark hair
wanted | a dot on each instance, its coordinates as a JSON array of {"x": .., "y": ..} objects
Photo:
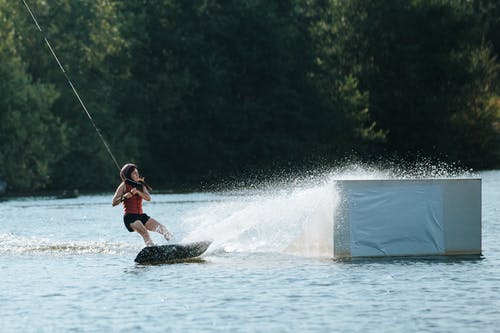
[
  {"x": 127, "y": 170},
  {"x": 125, "y": 174}
]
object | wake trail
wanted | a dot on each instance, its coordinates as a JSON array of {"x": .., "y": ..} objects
[{"x": 10, "y": 244}]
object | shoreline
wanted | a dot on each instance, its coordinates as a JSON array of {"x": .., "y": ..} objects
[{"x": 64, "y": 194}]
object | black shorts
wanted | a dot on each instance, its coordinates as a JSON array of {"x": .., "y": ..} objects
[{"x": 128, "y": 219}]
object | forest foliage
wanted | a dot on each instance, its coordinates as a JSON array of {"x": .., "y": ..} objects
[{"x": 199, "y": 91}]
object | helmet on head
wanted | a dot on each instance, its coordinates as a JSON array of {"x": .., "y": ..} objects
[{"x": 127, "y": 170}]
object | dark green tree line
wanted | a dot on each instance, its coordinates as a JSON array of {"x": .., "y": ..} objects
[
  {"x": 31, "y": 136},
  {"x": 233, "y": 87},
  {"x": 196, "y": 91},
  {"x": 430, "y": 71}
]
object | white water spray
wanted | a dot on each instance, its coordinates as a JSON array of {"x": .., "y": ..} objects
[{"x": 295, "y": 218}]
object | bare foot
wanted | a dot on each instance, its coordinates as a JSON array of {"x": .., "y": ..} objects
[{"x": 168, "y": 236}]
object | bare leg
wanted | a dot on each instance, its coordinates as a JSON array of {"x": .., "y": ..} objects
[
  {"x": 141, "y": 230},
  {"x": 156, "y": 226}
]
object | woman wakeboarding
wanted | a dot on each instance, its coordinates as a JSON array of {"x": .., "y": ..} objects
[{"x": 131, "y": 191}]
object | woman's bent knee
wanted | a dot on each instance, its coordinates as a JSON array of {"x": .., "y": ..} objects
[{"x": 139, "y": 227}]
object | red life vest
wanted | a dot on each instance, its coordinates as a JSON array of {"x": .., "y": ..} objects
[{"x": 132, "y": 205}]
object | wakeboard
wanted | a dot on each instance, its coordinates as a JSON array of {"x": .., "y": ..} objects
[{"x": 171, "y": 253}]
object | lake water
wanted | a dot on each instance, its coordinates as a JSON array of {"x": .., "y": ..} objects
[{"x": 68, "y": 266}]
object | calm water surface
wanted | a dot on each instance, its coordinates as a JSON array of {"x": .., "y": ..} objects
[{"x": 68, "y": 265}]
